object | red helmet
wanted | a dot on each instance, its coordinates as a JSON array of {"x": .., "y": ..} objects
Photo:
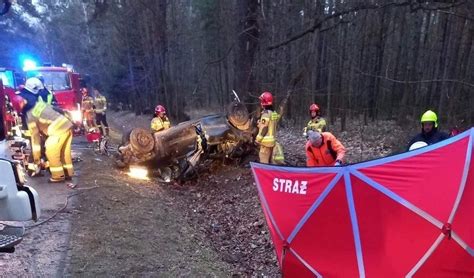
[
  {"x": 160, "y": 109},
  {"x": 314, "y": 108},
  {"x": 266, "y": 98}
]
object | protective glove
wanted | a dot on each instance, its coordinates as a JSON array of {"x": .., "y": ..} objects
[
  {"x": 338, "y": 163},
  {"x": 33, "y": 169}
]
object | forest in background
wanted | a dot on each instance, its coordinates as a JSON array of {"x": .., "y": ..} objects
[{"x": 373, "y": 60}]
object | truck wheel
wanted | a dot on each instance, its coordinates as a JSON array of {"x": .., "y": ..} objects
[
  {"x": 238, "y": 115},
  {"x": 142, "y": 141}
]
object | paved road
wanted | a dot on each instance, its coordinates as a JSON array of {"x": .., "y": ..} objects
[{"x": 44, "y": 250}]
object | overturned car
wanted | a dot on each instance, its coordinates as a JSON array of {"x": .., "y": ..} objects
[{"x": 175, "y": 152}]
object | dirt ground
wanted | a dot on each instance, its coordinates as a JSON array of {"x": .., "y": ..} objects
[
  {"x": 127, "y": 228},
  {"x": 210, "y": 227}
]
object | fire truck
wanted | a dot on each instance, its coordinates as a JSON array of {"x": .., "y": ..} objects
[
  {"x": 9, "y": 79},
  {"x": 3, "y": 128},
  {"x": 65, "y": 84}
]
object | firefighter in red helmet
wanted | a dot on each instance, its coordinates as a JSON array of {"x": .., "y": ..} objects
[
  {"x": 317, "y": 123},
  {"x": 160, "y": 121},
  {"x": 270, "y": 150}
]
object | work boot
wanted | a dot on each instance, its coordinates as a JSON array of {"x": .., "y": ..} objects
[
  {"x": 56, "y": 180},
  {"x": 107, "y": 131}
]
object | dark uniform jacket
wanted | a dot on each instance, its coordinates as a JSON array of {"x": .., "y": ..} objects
[{"x": 430, "y": 138}]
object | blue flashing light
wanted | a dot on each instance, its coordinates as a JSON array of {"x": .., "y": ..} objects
[{"x": 29, "y": 64}]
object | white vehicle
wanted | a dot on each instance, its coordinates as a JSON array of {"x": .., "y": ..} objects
[{"x": 18, "y": 202}]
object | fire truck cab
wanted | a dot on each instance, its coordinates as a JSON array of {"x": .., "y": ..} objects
[
  {"x": 65, "y": 85},
  {"x": 63, "y": 82}
]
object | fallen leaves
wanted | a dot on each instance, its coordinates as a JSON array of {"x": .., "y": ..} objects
[
  {"x": 223, "y": 202},
  {"x": 229, "y": 211}
]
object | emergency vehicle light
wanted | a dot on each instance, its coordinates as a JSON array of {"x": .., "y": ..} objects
[
  {"x": 69, "y": 67},
  {"x": 29, "y": 64}
]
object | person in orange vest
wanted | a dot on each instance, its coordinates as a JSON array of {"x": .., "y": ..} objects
[
  {"x": 323, "y": 149},
  {"x": 160, "y": 121}
]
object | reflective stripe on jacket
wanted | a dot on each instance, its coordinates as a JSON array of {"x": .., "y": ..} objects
[
  {"x": 159, "y": 124},
  {"x": 100, "y": 104},
  {"x": 268, "y": 122},
  {"x": 35, "y": 139},
  {"x": 327, "y": 154},
  {"x": 48, "y": 120},
  {"x": 38, "y": 108},
  {"x": 316, "y": 124},
  {"x": 278, "y": 156}
]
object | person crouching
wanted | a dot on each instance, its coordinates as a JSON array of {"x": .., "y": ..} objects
[{"x": 323, "y": 149}]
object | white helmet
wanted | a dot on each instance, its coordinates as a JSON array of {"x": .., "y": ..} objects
[
  {"x": 417, "y": 145},
  {"x": 34, "y": 85}
]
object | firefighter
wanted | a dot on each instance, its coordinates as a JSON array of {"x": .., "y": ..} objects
[
  {"x": 429, "y": 130},
  {"x": 28, "y": 97},
  {"x": 160, "y": 121},
  {"x": 47, "y": 96},
  {"x": 42, "y": 117},
  {"x": 323, "y": 149},
  {"x": 267, "y": 128},
  {"x": 88, "y": 108},
  {"x": 100, "y": 105},
  {"x": 317, "y": 123}
]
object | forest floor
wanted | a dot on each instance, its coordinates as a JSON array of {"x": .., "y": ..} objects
[
  {"x": 209, "y": 227},
  {"x": 212, "y": 226}
]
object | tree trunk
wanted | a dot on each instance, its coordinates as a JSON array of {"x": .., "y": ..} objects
[{"x": 247, "y": 46}]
